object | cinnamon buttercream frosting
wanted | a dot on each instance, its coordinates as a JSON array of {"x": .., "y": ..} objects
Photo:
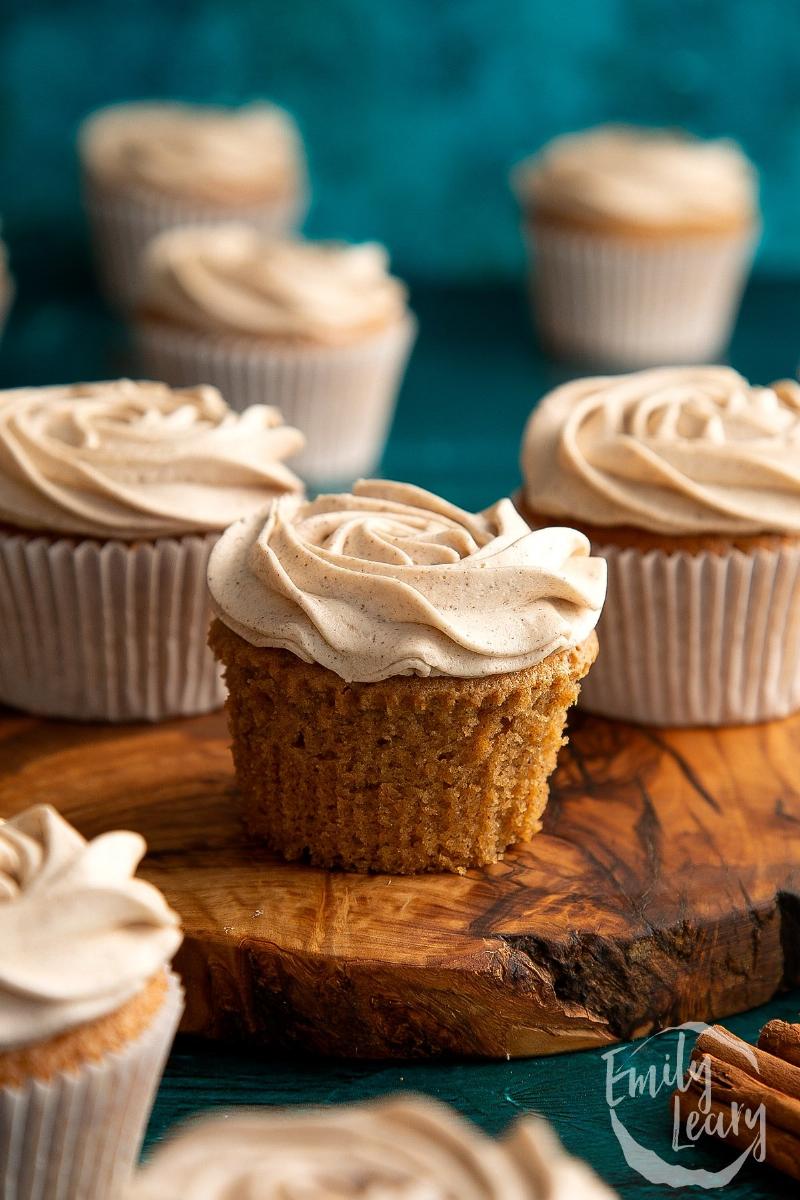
[
  {"x": 402, "y": 1148},
  {"x": 677, "y": 450},
  {"x": 137, "y": 460},
  {"x": 233, "y": 279},
  {"x": 207, "y": 155},
  {"x": 643, "y": 176},
  {"x": 392, "y": 580},
  {"x": 79, "y": 934}
]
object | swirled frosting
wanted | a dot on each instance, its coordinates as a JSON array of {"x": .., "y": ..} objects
[
  {"x": 212, "y": 156},
  {"x": 643, "y": 176},
  {"x": 403, "y": 1148},
  {"x": 677, "y": 450},
  {"x": 231, "y": 278},
  {"x": 79, "y": 935},
  {"x": 391, "y": 580},
  {"x": 137, "y": 460}
]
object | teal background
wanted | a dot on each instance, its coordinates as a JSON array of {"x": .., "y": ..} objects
[{"x": 413, "y": 110}]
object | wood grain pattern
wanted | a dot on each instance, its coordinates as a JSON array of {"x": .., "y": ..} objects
[{"x": 666, "y": 886}]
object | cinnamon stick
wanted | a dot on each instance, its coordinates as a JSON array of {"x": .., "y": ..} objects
[
  {"x": 782, "y": 1040},
  {"x": 766, "y": 1067},
  {"x": 728, "y": 1084},
  {"x": 781, "y": 1150}
]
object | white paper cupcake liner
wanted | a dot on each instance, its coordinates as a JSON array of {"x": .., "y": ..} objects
[
  {"x": 698, "y": 639},
  {"x": 342, "y": 397},
  {"x": 626, "y": 303},
  {"x": 106, "y": 631},
  {"x": 78, "y": 1136},
  {"x": 121, "y": 227}
]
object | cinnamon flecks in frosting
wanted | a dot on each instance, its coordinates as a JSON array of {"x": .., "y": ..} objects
[
  {"x": 641, "y": 177},
  {"x": 233, "y": 279},
  {"x": 391, "y": 580},
  {"x": 403, "y": 1148},
  {"x": 677, "y": 450},
  {"x": 79, "y": 934},
  {"x": 215, "y": 156},
  {"x": 137, "y": 460}
]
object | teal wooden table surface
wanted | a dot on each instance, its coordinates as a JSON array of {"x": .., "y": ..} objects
[{"x": 473, "y": 379}]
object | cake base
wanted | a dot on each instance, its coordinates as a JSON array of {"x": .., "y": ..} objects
[{"x": 664, "y": 887}]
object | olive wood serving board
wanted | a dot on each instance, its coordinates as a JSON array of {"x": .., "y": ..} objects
[{"x": 665, "y": 887}]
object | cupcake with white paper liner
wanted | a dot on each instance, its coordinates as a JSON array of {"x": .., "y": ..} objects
[
  {"x": 88, "y": 1007},
  {"x": 687, "y": 481},
  {"x": 6, "y": 286},
  {"x": 149, "y": 167},
  {"x": 640, "y": 241},
  {"x": 400, "y": 1146},
  {"x": 111, "y": 498},
  {"x": 319, "y": 329},
  {"x": 399, "y": 673}
]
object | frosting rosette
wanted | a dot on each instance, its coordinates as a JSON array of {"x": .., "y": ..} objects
[
  {"x": 392, "y": 580},
  {"x": 203, "y": 154},
  {"x": 403, "y": 1148},
  {"x": 232, "y": 278},
  {"x": 137, "y": 460},
  {"x": 685, "y": 450},
  {"x": 655, "y": 177},
  {"x": 79, "y": 934}
]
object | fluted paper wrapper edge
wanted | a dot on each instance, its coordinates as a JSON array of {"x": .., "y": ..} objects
[
  {"x": 698, "y": 639},
  {"x": 342, "y": 397},
  {"x": 105, "y": 631},
  {"x": 122, "y": 225},
  {"x": 78, "y": 1136},
  {"x": 627, "y": 303}
]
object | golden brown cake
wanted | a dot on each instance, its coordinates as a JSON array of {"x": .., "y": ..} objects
[
  {"x": 685, "y": 480},
  {"x": 399, "y": 673},
  {"x": 401, "y": 775}
]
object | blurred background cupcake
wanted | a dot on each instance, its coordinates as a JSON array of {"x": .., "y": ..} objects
[
  {"x": 149, "y": 167},
  {"x": 321, "y": 330},
  {"x": 687, "y": 481},
  {"x": 640, "y": 241},
  {"x": 111, "y": 498},
  {"x": 399, "y": 673},
  {"x": 6, "y": 286},
  {"x": 88, "y": 1007},
  {"x": 403, "y": 1146}
]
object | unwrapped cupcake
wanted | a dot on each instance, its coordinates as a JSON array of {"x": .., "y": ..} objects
[
  {"x": 641, "y": 241},
  {"x": 399, "y": 673},
  {"x": 319, "y": 329},
  {"x": 403, "y": 1146},
  {"x": 149, "y": 167},
  {"x": 687, "y": 481},
  {"x": 111, "y": 497},
  {"x": 88, "y": 1007}
]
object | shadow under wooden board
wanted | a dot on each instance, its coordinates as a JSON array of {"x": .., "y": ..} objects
[{"x": 665, "y": 887}]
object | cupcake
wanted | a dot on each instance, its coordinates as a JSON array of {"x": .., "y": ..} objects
[
  {"x": 402, "y": 1146},
  {"x": 399, "y": 673},
  {"x": 111, "y": 497},
  {"x": 6, "y": 287},
  {"x": 88, "y": 1007},
  {"x": 641, "y": 242},
  {"x": 320, "y": 329},
  {"x": 149, "y": 167},
  {"x": 687, "y": 481}
]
